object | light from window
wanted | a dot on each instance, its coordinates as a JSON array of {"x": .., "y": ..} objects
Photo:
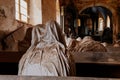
[
  {"x": 58, "y": 11},
  {"x": 101, "y": 23},
  {"x": 108, "y": 21},
  {"x": 21, "y": 10}
]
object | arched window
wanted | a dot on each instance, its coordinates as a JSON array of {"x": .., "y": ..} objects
[
  {"x": 58, "y": 11},
  {"x": 21, "y": 7},
  {"x": 100, "y": 24},
  {"x": 108, "y": 21}
]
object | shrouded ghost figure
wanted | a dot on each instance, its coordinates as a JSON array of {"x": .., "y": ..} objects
[
  {"x": 47, "y": 54},
  {"x": 87, "y": 44}
]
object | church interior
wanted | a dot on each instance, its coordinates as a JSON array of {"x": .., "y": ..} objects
[{"x": 98, "y": 19}]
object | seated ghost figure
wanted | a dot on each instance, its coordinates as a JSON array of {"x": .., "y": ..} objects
[
  {"x": 46, "y": 56},
  {"x": 88, "y": 44}
]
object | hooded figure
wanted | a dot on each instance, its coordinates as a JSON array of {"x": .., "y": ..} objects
[
  {"x": 47, "y": 54},
  {"x": 88, "y": 44}
]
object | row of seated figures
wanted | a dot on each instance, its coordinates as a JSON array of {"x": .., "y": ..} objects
[{"x": 91, "y": 58}]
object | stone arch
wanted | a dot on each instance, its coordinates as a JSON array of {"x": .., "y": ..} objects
[
  {"x": 114, "y": 17},
  {"x": 99, "y": 4}
]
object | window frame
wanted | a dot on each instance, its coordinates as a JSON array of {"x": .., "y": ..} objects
[{"x": 20, "y": 14}]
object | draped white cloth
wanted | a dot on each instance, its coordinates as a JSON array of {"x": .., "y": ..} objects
[
  {"x": 87, "y": 44},
  {"x": 47, "y": 54}
]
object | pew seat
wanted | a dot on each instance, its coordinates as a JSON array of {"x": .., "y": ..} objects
[
  {"x": 9, "y": 62},
  {"x": 88, "y": 64},
  {"x": 97, "y": 64}
]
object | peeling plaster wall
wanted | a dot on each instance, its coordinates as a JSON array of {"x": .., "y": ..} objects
[
  {"x": 7, "y": 16},
  {"x": 7, "y": 23}
]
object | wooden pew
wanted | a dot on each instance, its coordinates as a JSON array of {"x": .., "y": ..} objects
[
  {"x": 97, "y": 64},
  {"x": 113, "y": 49},
  {"x": 9, "y": 62},
  {"x": 15, "y": 77},
  {"x": 88, "y": 64},
  {"x": 10, "y": 56}
]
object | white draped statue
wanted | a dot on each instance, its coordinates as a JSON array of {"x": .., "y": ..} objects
[{"x": 47, "y": 54}]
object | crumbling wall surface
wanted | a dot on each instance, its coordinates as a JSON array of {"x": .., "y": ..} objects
[
  {"x": 7, "y": 15},
  {"x": 12, "y": 41}
]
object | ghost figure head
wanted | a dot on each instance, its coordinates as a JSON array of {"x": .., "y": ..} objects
[{"x": 37, "y": 33}]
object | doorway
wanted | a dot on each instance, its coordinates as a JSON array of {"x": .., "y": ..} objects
[{"x": 96, "y": 21}]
